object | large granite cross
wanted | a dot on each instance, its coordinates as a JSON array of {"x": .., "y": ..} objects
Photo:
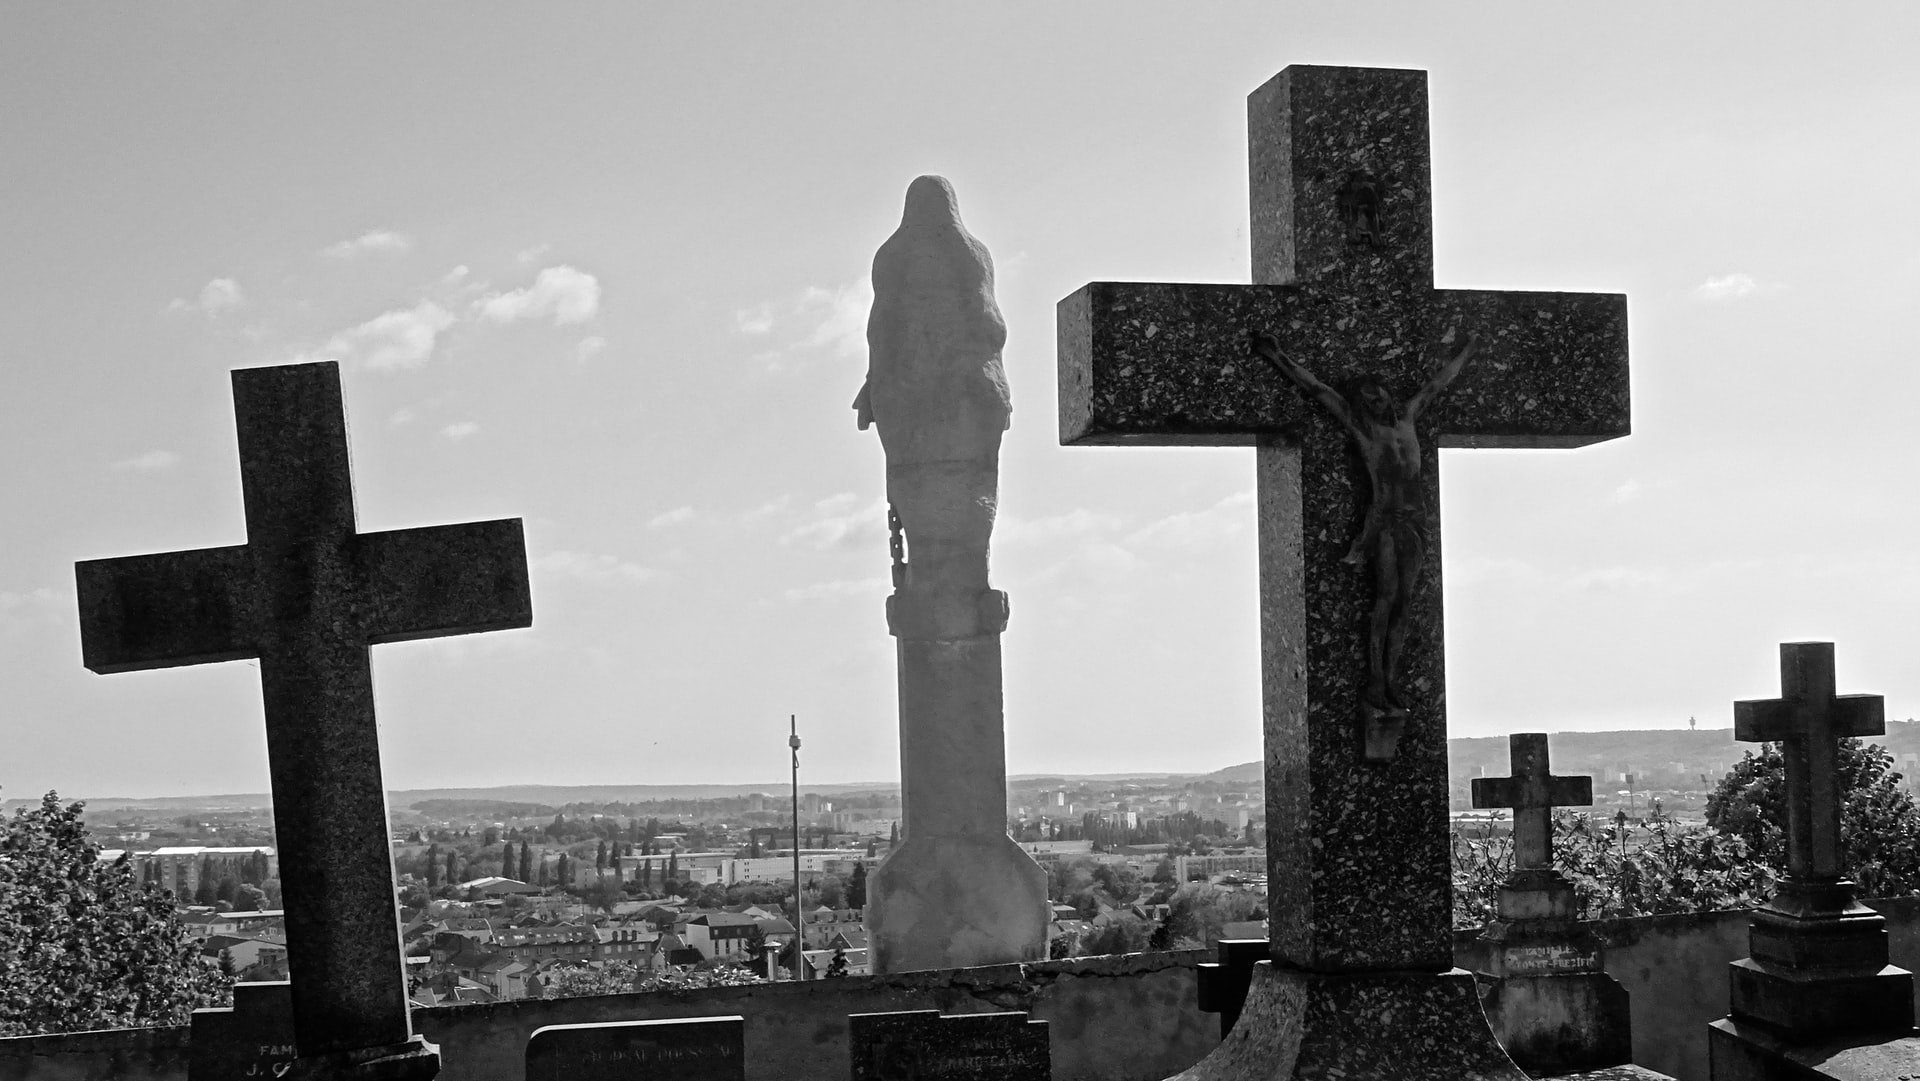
[
  {"x": 1342, "y": 251},
  {"x": 1532, "y": 792},
  {"x": 307, "y": 594},
  {"x": 1808, "y": 721}
]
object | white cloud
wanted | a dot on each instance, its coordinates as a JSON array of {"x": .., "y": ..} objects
[
  {"x": 854, "y": 529},
  {"x": 588, "y": 567},
  {"x": 371, "y": 242},
  {"x": 459, "y": 430},
  {"x": 1011, "y": 530},
  {"x": 526, "y": 256},
  {"x": 844, "y": 587},
  {"x": 402, "y": 415},
  {"x": 768, "y": 509},
  {"x": 1727, "y": 287},
  {"x": 560, "y": 293},
  {"x": 149, "y": 462},
  {"x": 217, "y": 296},
  {"x": 816, "y": 318},
  {"x": 672, "y": 517},
  {"x": 1628, "y": 491},
  {"x": 1194, "y": 529},
  {"x": 588, "y": 348},
  {"x": 402, "y": 338},
  {"x": 34, "y": 608},
  {"x": 836, "y": 502}
]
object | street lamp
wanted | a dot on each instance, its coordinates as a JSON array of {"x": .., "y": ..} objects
[{"x": 799, "y": 938}]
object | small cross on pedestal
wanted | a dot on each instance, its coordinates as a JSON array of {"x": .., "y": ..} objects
[
  {"x": 1817, "y": 966},
  {"x": 307, "y": 594},
  {"x": 1347, "y": 371},
  {"x": 1534, "y": 890}
]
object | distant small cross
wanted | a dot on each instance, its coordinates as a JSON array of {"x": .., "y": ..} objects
[
  {"x": 307, "y": 594},
  {"x": 1808, "y": 720},
  {"x": 1532, "y": 793}
]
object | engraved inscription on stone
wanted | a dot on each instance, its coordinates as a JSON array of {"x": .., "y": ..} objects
[
  {"x": 1549, "y": 959},
  {"x": 921, "y": 1045},
  {"x": 691, "y": 1049}
]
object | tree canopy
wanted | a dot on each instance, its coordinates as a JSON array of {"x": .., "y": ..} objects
[
  {"x": 1879, "y": 824},
  {"x": 82, "y": 945}
]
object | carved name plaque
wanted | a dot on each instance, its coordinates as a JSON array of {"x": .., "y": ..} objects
[
  {"x": 690, "y": 1049},
  {"x": 1548, "y": 960},
  {"x": 921, "y": 1045}
]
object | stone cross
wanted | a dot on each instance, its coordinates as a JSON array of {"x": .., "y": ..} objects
[
  {"x": 1808, "y": 720},
  {"x": 306, "y": 595},
  {"x": 1532, "y": 793},
  {"x": 1343, "y": 256}
]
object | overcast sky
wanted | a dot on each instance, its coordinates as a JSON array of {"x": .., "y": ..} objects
[{"x": 604, "y": 268}]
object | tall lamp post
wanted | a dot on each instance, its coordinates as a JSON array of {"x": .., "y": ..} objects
[{"x": 799, "y": 937}]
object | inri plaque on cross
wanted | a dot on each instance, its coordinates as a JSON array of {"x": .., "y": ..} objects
[
  {"x": 1354, "y": 674},
  {"x": 307, "y": 594}
]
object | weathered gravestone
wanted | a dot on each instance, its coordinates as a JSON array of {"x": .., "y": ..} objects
[
  {"x": 921, "y": 1045},
  {"x": 306, "y": 595},
  {"x": 253, "y": 1039},
  {"x": 691, "y": 1049},
  {"x": 1552, "y": 1005},
  {"x": 1816, "y": 996},
  {"x": 957, "y": 891},
  {"x": 1362, "y": 975}
]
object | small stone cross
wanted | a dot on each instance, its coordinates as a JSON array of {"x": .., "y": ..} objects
[
  {"x": 307, "y": 594},
  {"x": 1532, "y": 792},
  {"x": 1342, "y": 237},
  {"x": 1808, "y": 720}
]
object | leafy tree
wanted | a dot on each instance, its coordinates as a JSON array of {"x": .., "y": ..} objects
[
  {"x": 837, "y": 967},
  {"x": 753, "y": 844},
  {"x": 564, "y": 872},
  {"x": 1648, "y": 868},
  {"x": 526, "y": 863},
  {"x": 433, "y": 867},
  {"x": 507, "y": 866},
  {"x": 1879, "y": 823},
  {"x": 84, "y": 947},
  {"x": 757, "y": 948},
  {"x": 1122, "y": 933},
  {"x": 857, "y": 887},
  {"x": 453, "y": 866},
  {"x": 251, "y": 899},
  {"x": 673, "y": 864},
  {"x": 893, "y": 839},
  {"x": 833, "y": 892},
  {"x": 1200, "y": 911},
  {"x": 600, "y": 858},
  {"x": 490, "y": 837},
  {"x": 604, "y": 893}
]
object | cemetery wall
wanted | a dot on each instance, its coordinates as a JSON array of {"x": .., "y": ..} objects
[
  {"x": 1124, "y": 1018},
  {"x": 1675, "y": 969}
]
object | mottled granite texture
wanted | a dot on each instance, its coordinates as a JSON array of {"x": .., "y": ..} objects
[
  {"x": 957, "y": 892},
  {"x": 1359, "y": 847},
  {"x": 306, "y": 595},
  {"x": 1381, "y": 1026},
  {"x": 1747, "y": 1052},
  {"x": 693, "y": 1049},
  {"x": 921, "y": 1045}
]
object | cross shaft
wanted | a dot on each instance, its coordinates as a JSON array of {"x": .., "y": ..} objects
[{"x": 307, "y": 594}]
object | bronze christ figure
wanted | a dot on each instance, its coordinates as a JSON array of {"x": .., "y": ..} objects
[{"x": 1392, "y": 540}]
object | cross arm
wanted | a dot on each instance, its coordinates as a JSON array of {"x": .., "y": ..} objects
[
  {"x": 162, "y": 610},
  {"x": 445, "y": 580},
  {"x": 1771, "y": 720},
  {"x": 1162, "y": 364},
  {"x": 1569, "y": 791},
  {"x": 1495, "y": 792}
]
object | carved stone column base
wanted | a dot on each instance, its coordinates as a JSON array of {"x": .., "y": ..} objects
[
  {"x": 1407, "y": 1026},
  {"x": 956, "y": 902}
]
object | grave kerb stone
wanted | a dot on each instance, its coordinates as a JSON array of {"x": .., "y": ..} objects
[
  {"x": 924, "y": 1045},
  {"x": 668, "y": 1049}
]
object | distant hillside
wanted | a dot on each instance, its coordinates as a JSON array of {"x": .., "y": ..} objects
[{"x": 1653, "y": 755}]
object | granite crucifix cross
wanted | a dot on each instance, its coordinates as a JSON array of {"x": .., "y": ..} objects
[
  {"x": 1532, "y": 793},
  {"x": 307, "y": 595},
  {"x": 1342, "y": 253},
  {"x": 1808, "y": 721}
]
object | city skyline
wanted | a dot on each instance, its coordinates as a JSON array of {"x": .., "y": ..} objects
[{"x": 604, "y": 268}]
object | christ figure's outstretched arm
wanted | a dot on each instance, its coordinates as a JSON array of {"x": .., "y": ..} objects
[
  {"x": 1442, "y": 379},
  {"x": 1267, "y": 346}
]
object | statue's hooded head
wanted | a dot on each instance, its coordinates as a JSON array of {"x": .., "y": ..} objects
[{"x": 930, "y": 201}]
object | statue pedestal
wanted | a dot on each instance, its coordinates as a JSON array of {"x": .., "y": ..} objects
[{"x": 956, "y": 902}]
